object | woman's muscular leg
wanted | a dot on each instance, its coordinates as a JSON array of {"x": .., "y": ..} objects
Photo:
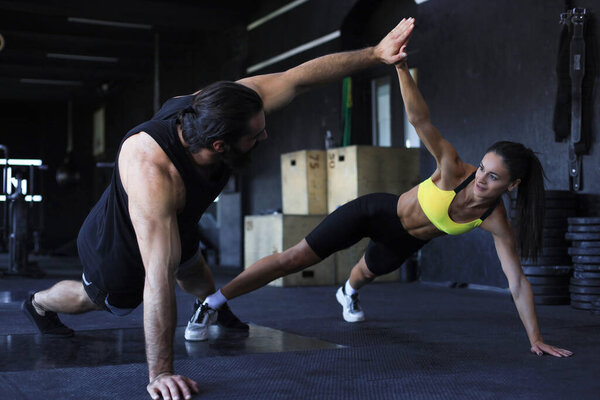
[
  {"x": 270, "y": 268},
  {"x": 360, "y": 274}
]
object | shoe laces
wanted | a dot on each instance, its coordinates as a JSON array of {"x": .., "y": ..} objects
[
  {"x": 198, "y": 316},
  {"x": 355, "y": 303}
]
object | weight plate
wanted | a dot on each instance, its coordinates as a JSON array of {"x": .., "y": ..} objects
[
  {"x": 587, "y": 251},
  {"x": 585, "y": 221},
  {"x": 581, "y": 305},
  {"x": 585, "y": 297},
  {"x": 547, "y": 260},
  {"x": 548, "y": 280},
  {"x": 584, "y": 244},
  {"x": 551, "y": 300},
  {"x": 586, "y": 282},
  {"x": 586, "y": 267},
  {"x": 586, "y": 259},
  {"x": 584, "y": 290},
  {"x": 550, "y": 290},
  {"x": 586, "y": 275},
  {"x": 547, "y": 270},
  {"x": 582, "y": 236},
  {"x": 584, "y": 228}
]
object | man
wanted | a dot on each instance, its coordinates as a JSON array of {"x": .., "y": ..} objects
[{"x": 141, "y": 237}]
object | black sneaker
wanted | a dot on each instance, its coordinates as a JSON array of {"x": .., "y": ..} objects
[
  {"x": 48, "y": 324},
  {"x": 226, "y": 318}
]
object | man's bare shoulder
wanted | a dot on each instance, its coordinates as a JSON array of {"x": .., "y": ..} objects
[{"x": 143, "y": 161}]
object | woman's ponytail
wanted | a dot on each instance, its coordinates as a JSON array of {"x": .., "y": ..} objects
[{"x": 523, "y": 164}]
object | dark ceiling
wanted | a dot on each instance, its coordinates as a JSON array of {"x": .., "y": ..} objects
[{"x": 44, "y": 41}]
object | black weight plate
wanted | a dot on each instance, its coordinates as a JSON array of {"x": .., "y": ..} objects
[
  {"x": 548, "y": 280},
  {"x": 559, "y": 194},
  {"x": 555, "y": 233},
  {"x": 584, "y": 290},
  {"x": 551, "y": 300},
  {"x": 586, "y": 267},
  {"x": 582, "y": 236},
  {"x": 556, "y": 223},
  {"x": 585, "y": 297},
  {"x": 584, "y": 228},
  {"x": 584, "y": 244},
  {"x": 547, "y": 270},
  {"x": 585, "y": 221},
  {"x": 586, "y": 275},
  {"x": 550, "y": 290},
  {"x": 547, "y": 260},
  {"x": 579, "y": 251},
  {"x": 581, "y": 305},
  {"x": 586, "y": 282},
  {"x": 586, "y": 259}
]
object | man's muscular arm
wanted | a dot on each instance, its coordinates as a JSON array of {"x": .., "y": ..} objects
[
  {"x": 277, "y": 90},
  {"x": 152, "y": 196}
]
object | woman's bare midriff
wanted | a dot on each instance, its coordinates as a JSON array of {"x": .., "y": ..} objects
[{"x": 413, "y": 218}]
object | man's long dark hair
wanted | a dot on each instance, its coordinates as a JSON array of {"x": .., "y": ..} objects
[
  {"x": 522, "y": 163},
  {"x": 220, "y": 111}
]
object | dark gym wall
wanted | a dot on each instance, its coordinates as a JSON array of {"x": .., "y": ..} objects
[
  {"x": 303, "y": 123},
  {"x": 39, "y": 131},
  {"x": 487, "y": 71}
]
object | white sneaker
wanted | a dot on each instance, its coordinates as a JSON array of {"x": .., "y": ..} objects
[
  {"x": 351, "y": 305},
  {"x": 197, "y": 328}
]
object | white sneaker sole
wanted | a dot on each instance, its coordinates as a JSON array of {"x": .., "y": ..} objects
[
  {"x": 196, "y": 335},
  {"x": 348, "y": 317}
]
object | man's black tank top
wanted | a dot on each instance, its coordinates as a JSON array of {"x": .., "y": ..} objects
[{"x": 107, "y": 242}]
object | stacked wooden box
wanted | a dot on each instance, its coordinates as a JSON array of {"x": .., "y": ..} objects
[{"x": 316, "y": 182}]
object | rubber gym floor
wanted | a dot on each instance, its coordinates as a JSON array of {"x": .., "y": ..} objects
[{"x": 420, "y": 341}]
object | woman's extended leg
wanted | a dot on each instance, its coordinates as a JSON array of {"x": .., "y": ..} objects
[{"x": 269, "y": 268}]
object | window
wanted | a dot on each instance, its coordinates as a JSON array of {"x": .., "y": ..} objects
[{"x": 382, "y": 118}]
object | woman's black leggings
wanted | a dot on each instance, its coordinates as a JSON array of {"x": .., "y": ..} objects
[{"x": 374, "y": 216}]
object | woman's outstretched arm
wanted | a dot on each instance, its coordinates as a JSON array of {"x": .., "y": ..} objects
[
  {"x": 499, "y": 226},
  {"x": 418, "y": 115}
]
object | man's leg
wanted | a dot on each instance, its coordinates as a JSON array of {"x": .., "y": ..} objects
[{"x": 67, "y": 297}]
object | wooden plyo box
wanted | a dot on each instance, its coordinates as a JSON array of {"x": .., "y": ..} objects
[
  {"x": 354, "y": 171},
  {"x": 304, "y": 182},
  {"x": 268, "y": 234},
  {"x": 346, "y": 259}
]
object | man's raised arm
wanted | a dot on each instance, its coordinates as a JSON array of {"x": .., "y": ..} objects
[{"x": 278, "y": 89}]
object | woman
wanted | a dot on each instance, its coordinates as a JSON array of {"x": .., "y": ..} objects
[{"x": 457, "y": 198}]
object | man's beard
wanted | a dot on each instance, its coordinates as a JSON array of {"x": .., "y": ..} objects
[{"x": 236, "y": 159}]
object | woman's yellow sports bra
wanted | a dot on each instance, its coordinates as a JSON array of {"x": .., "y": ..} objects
[{"x": 435, "y": 203}]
